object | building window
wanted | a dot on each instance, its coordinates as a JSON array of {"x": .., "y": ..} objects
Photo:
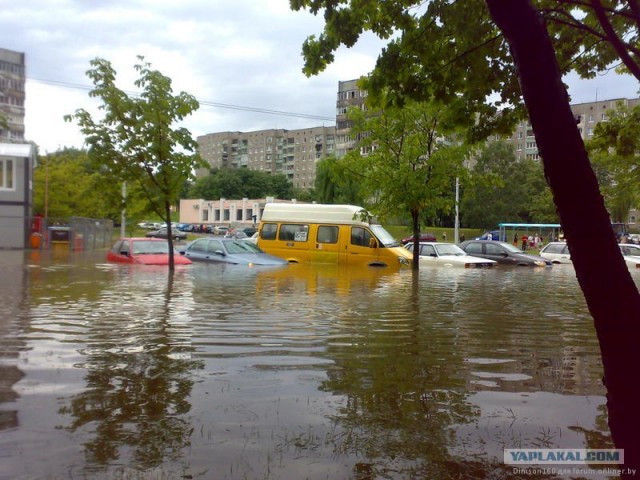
[{"x": 6, "y": 174}]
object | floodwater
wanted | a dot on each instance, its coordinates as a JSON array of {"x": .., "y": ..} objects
[{"x": 110, "y": 371}]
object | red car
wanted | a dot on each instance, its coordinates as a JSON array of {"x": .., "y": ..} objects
[
  {"x": 144, "y": 251},
  {"x": 424, "y": 237}
]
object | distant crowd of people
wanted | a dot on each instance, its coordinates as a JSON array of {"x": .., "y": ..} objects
[{"x": 529, "y": 241}]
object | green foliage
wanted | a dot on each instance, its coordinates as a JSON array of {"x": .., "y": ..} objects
[
  {"x": 615, "y": 155},
  {"x": 503, "y": 189},
  {"x": 241, "y": 183},
  {"x": 69, "y": 185},
  {"x": 452, "y": 50},
  {"x": 74, "y": 187},
  {"x": 410, "y": 164},
  {"x": 135, "y": 141},
  {"x": 335, "y": 185}
]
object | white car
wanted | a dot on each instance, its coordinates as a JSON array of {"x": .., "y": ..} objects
[
  {"x": 448, "y": 255},
  {"x": 557, "y": 252},
  {"x": 631, "y": 253}
]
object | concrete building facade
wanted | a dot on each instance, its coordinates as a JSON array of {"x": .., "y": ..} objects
[
  {"x": 12, "y": 96},
  {"x": 293, "y": 153},
  {"x": 231, "y": 213},
  {"x": 17, "y": 158},
  {"x": 349, "y": 95},
  {"x": 588, "y": 115},
  {"x": 17, "y": 161}
]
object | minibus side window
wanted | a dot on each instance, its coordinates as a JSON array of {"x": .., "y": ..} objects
[
  {"x": 268, "y": 231},
  {"x": 360, "y": 236},
  {"x": 294, "y": 232},
  {"x": 327, "y": 234}
]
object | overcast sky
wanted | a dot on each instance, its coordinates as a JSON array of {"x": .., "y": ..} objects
[{"x": 244, "y": 54}]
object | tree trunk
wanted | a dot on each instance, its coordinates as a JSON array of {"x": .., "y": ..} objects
[
  {"x": 610, "y": 293},
  {"x": 415, "y": 224},
  {"x": 167, "y": 211}
]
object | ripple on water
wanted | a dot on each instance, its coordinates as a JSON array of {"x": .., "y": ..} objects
[{"x": 284, "y": 372}]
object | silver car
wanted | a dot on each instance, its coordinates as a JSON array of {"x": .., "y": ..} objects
[{"x": 557, "y": 252}]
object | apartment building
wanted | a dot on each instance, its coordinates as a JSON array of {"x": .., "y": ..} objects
[
  {"x": 17, "y": 158},
  {"x": 348, "y": 96},
  {"x": 12, "y": 95},
  {"x": 293, "y": 153},
  {"x": 588, "y": 115}
]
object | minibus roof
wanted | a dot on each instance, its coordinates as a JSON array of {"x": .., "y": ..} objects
[{"x": 313, "y": 213}]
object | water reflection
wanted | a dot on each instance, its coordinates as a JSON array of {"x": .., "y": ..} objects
[
  {"x": 12, "y": 297},
  {"x": 226, "y": 371},
  {"x": 138, "y": 372}
]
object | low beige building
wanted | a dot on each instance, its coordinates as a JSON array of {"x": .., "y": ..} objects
[{"x": 232, "y": 213}]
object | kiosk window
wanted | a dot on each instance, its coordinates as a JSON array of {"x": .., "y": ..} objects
[
  {"x": 294, "y": 232},
  {"x": 268, "y": 231},
  {"x": 327, "y": 234}
]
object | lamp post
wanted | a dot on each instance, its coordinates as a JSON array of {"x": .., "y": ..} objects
[
  {"x": 456, "y": 234},
  {"x": 123, "y": 218}
]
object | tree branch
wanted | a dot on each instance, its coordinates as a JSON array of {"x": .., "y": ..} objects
[{"x": 619, "y": 46}]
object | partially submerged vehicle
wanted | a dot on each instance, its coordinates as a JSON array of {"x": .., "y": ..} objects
[
  {"x": 343, "y": 234},
  {"x": 448, "y": 255}
]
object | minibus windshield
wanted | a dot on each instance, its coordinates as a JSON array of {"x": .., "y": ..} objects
[{"x": 383, "y": 236}]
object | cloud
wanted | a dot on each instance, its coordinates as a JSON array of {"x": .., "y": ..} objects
[{"x": 244, "y": 53}]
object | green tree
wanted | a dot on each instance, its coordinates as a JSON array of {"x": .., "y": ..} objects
[
  {"x": 136, "y": 140},
  {"x": 410, "y": 163},
  {"x": 65, "y": 198},
  {"x": 334, "y": 186},
  {"x": 520, "y": 50},
  {"x": 503, "y": 189},
  {"x": 615, "y": 153},
  {"x": 92, "y": 193},
  {"x": 241, "y": 183}
]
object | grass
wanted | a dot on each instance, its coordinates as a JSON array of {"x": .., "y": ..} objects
[{"x": 401, "y": 231}]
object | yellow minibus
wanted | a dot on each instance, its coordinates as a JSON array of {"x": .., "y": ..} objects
[{"x": 315, "y": 233}]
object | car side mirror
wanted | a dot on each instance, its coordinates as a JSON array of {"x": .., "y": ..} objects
[
  {"x": 220, "y": 252},
  {"x": 373, "y": 243}
]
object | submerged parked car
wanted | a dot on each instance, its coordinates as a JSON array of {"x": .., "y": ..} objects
[
  {"x": 492, "y": 235},
  {"x": 448, "y": 255},
  {"x": 228, "y": 250},
  {"x": 144, "y": 251},
  {"x": 557, "y": 252},
  {"x": 503, "y": 253},
  {"x": 164, "y": 233},
  {"x": 423, "y": 237}
]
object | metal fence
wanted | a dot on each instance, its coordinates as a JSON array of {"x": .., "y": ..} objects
[{"x": 74, "y": 233}]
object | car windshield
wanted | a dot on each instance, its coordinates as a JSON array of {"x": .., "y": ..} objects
[
  {"x": 234, "y": 246},
  {"x": 383, "y": 236},
  {"x": 148, "y": 247},
  {"x": 449, "y": 249},
  {"x": 511, "y": 248}
]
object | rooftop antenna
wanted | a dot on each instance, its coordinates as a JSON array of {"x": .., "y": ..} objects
[{"x": 596, "y": 94}]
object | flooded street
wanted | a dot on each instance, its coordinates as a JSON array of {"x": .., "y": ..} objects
[{"x": 111, "y": 371}]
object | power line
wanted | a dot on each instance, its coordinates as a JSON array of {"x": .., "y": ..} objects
[{"x": 201, "y": 102}]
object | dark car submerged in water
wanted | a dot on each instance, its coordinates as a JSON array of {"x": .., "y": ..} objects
[{"x": 503, "y": 253}]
